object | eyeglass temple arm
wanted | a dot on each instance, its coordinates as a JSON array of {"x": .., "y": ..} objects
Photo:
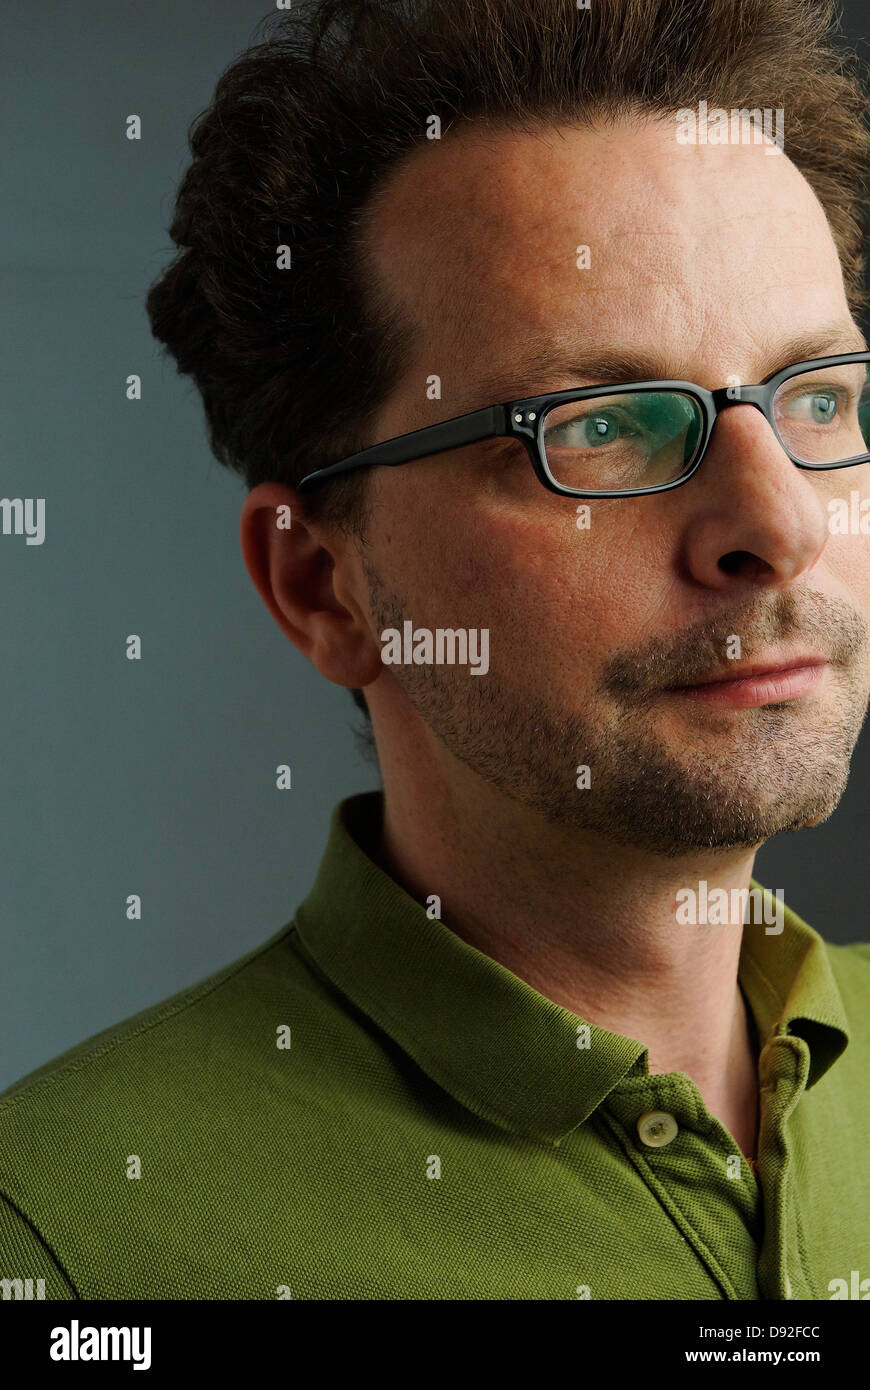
[{"x": 432, "y": 439}]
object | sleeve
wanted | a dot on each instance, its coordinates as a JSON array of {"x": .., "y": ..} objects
[{"x": 25, "y": 1256}]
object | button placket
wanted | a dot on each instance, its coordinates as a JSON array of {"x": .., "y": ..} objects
[
  {"x": 665, "y": 1123},
  {"x": 783, "y": 1069}
]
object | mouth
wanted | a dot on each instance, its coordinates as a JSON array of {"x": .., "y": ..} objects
[{"x": 764, "y": 683}]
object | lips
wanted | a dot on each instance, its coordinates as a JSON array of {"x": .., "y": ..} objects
[
  {"x": 753, "y": 685},
  {"x": 756, "y": 670}
]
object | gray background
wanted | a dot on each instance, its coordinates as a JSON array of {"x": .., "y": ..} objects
[{"x": 157, "y": 776}]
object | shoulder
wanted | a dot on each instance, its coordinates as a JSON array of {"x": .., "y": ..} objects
[
  {"x": 130, "y": 1055},
  {"x": 851, "y": 967},
  {"x": 130, "y": 1141}
]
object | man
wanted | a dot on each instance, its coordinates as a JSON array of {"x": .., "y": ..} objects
[{"x": 529, "y": 1036}]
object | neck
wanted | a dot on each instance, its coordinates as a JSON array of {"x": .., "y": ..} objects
[{"x": 590, "y": 925}]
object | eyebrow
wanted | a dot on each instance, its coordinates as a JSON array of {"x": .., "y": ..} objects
[{"x": 544, "y": 365}]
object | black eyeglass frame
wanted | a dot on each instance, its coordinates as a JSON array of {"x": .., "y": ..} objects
[{"x": 524, "y": 420}]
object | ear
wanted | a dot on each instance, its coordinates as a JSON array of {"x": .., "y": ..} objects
[{"x": 296, "y": 573}]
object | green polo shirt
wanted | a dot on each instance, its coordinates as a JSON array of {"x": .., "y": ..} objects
[{"x": 366, "y": 1107}]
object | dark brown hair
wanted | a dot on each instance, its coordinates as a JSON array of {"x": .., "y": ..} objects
[{"x": 292, "y": 364}]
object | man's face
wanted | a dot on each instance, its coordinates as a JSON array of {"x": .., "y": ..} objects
[{"x": 706, "y": 262}]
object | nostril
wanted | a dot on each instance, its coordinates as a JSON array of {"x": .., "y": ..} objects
[{"x": 743, "y": 562}]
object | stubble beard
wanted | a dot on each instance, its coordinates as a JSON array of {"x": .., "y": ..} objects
[{"x": 735, "y": 780}]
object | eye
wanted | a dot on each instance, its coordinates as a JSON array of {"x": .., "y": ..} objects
[
  {"x": 819, "y": 407},
  {"x": 597, "y": 428},
  {"x": 601, "y": 429}
]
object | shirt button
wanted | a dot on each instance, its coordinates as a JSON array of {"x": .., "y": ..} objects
[{"x": 656, "y": 1128}]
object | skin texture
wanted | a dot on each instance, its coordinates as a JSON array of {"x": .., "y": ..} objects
[{"x": 707, "y": 262}]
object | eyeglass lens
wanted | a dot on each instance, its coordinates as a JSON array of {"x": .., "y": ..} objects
[{"x": 636, "y": 439}]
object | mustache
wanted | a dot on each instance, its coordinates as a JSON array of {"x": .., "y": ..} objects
[{"x": 808, "y": 620}]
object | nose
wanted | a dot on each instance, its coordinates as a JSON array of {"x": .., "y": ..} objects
[{"x": 756, "y": 517}]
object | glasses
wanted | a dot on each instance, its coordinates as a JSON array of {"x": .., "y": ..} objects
[{"x": 650, "y": 436}]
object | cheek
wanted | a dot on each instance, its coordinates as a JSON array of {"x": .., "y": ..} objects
[
  {"x": 848, "y": 558},
  {"x": 554, "y": 597}
]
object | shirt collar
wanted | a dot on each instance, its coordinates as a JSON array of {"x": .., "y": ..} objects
[
  {"x": 500, "y": 1048},
  {"x": 789, "y": 983}
]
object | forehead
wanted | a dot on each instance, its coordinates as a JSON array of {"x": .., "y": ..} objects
[{"x": 477, "y": 238}]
